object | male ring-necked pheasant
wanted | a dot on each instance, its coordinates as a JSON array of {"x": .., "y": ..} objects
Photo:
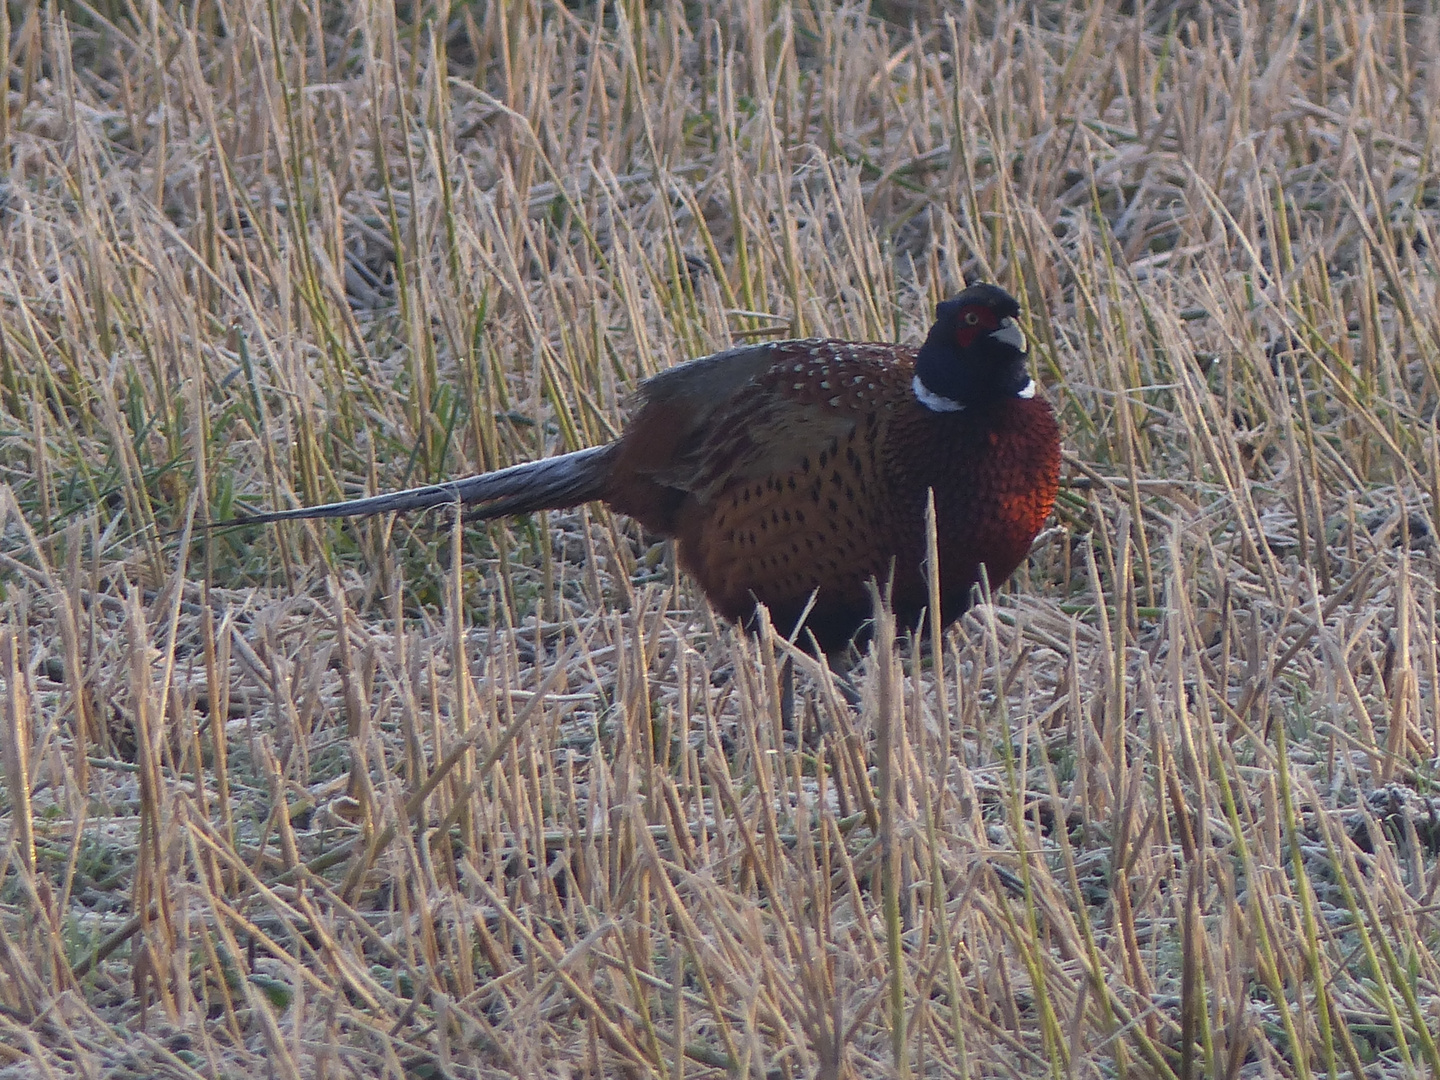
[{"x": 801, "y": 467}]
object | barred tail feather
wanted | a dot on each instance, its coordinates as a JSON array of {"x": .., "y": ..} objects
[{"x": 548, "y": 484}]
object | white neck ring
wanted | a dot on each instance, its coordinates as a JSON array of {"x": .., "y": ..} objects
[{"x": 933, "y": 401}]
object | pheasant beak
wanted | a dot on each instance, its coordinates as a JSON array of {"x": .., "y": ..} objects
[{"x": 1010, "y": 334}]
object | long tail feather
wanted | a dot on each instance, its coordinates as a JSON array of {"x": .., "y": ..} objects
[{"x": 548, "y": 484}]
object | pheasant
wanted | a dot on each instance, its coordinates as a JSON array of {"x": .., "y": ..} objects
[{"x": 799, "y": 470}]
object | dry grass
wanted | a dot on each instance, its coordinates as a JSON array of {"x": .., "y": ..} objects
[{"x": 389, "y": 799}]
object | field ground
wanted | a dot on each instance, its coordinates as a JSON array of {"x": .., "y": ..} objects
[{"x": 409, "y": 799}]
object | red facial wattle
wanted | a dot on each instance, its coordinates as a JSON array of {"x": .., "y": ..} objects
[{"x": 972, "y": 322}]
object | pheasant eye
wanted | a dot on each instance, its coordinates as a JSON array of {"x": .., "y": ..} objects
[{"x": 972, "y": 319}]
